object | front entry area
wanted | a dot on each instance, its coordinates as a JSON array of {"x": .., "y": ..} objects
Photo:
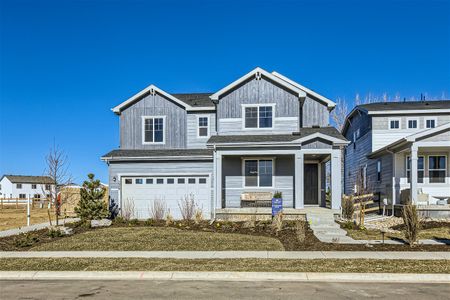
[{"x": 311, "y": 184}]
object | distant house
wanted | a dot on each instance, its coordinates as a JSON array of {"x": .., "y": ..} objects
[
  {"x": 19, "y": 186},
  {"x": 400, "y": 150}
]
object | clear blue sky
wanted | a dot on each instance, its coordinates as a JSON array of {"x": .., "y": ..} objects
[{"x": 64, "y": 64}]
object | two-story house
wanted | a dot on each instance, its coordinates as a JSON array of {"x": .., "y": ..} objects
[
  {"x": 261, "y": 133},
  {"x": 24, "y": 187},
  {"x": 400, "y": 150}
]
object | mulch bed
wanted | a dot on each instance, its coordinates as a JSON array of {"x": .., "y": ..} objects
[{"x": 287, "y": 236}]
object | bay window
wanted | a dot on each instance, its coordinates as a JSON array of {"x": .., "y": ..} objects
[
  {"x": 258, "y": 172},
  {"x": 437, "y": 168}
]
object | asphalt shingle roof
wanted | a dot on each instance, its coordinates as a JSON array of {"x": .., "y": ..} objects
[
  {"x": 195, "y": 99},
  {"x": 406, "y": 105},
  {"x": 123, "y": 153},
  {"x": 29, "y": 179}
]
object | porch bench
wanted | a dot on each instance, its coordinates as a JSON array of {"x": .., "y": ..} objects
[{"x": 256, "y": 199}]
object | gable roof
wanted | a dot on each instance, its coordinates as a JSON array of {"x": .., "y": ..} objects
[
  {"x": 29, "y": 179},
  {"x": 154, "y": 89},
  {"x": 258, "y": 72},
  {"x": 306, "y": 90},
  {"x": 383, "y": 107},
  {"x": 157, "y": 154},
  {"x": 196, "y": 99}
]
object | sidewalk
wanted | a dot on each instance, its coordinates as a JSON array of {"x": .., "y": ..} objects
[
  {"x": 226, "y": 276},
  {"x": 34, "y": 227},
  {"x": 232, "y": 254}
]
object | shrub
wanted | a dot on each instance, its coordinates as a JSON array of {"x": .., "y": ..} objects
[
  {"x": 91, "y": 205},
  {"x": 300, "y": 230},
  {"x": 278, "y": 195},
  {"x": 158, "y": 209},
  {"x": 187, "y": 207},
  {"x": 412, "y": 223},
  {"x": 54, "y": 232},
  {"x": 26, "y": 240},
  {"x": 119, "y": 220},
  {"x": 169, "y": 219},
  {"x": 128, "y": 209},
  {"x": 198, "y": 218},
  {"x": 277, "y": 223},
  {"x": 348, "y": 209}
]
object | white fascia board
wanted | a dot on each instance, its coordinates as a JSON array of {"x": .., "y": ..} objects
[
  {"x": 301, "y": 94},
  {"x": 329, "y": 102},
  {"x": 414, "y": 137},
  {"x": 158, "y": 158},
  {"x": 119, "y": 107},
  {"x": 405, "y": 112}
]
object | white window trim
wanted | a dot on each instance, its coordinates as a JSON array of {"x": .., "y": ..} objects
[
  {"x": 395, "y": 119},
  {"x": 413, "y": 119},
  {"x": 244, "y": 106},
  {"x": 208, "y": 127},
  {"x": 427, "y": 119},
  {"x": 379, "y": 163},
  {"x": 425, "y": 158},
  {"x": 143, "y": 130},
  {"x": 257, "y": 180},
  {"x": 445, "y": 169}
]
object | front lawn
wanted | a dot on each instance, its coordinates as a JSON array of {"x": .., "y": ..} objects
[
  {"x": 237, "y": 265},
  {"x": 159, "y": 239}
]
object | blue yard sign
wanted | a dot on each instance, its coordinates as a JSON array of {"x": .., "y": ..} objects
[{"x": 277, "y": 206}]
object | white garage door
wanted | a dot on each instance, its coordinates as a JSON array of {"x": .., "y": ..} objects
[{"x": 141, "y": 191}]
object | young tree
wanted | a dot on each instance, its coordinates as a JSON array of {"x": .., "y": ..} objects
[
  {"x": 339, "y": 114},
  {"x": 91, "y": 205},
  {"x": 57, "y": 164}
]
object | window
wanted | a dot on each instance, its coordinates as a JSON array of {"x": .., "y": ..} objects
[
  {"x": 33, "y": 186},
  {"x": 203, "y": 129},
  {"x": 153, "y": 130},
  {"x": 258, "y": 116},
  {"x": 37, "y": 196},
  {"x": 170, "y": 181},
  {"x": 420, "y": 169},
  {"x": 394, "y": 123},
  {"x": 159, "y": 181},
  {"x": 202, "y": 180},
  {"x": 412, "y": 123},
  {"x": 181, "y": 180},
  {"x": 430, "y": 123},
  {"x": 128, "y": 181},
  {"x": 437, "y": 168},
  {"x": 258, "y": 172},
  {"x": 191, "y": 180},
  {"x": 139, "y": 181},
  {"x": 378, "y": 170},
  {"x": 47, "y": 187},
  {"x": 149, "y": 181},
  {"x": 22, "y": 196},
  {"x": 18, "y": 185}
]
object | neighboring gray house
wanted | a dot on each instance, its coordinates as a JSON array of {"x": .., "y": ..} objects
[
  {"x": 261, "y": 133},
  {"x": 400, "y": 150}
]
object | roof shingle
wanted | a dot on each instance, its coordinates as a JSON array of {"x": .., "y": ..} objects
[
  {"x": 406, "y": 105},
  {"x": 29, "y": 179}
]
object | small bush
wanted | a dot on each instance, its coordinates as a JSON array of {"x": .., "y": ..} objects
[
  {"x": 348, "y": 208},
  {"x": 149, "y": 222},
  {"x": 169, "y": 219},
  {"x": 158, "y": 209},
  {"x": 412, "y": 223},
  {"x": 54, "y": 233},
  {"x": 128, "y": 209},
  {"x": 277, "y": 195},
  {"x": 133, "y": 222},
  {"x": 187, "y": 207},
  {"x": 198, "y": 218},
  {"x": 26, "y": 240},
  {"x": 119, "y": 220},
  {"x": 300, "y": 230},
  {"x": 277, "y": 223}
]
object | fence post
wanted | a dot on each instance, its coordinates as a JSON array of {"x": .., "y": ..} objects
[
  {"x": 28, "y": 210},
  {"x": 1, "y": 202},
  {"x": 17, "y": 202}
]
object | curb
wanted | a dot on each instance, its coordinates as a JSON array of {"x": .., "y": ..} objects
[{"x": 226, "y": 276}]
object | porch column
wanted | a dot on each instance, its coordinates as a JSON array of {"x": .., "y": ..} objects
[
  {"x": 413, "y": 181},
  {"x": 336, "y": 185},
  {"x": 298, "y": 184},
  {"x": 219, "y": 180}
]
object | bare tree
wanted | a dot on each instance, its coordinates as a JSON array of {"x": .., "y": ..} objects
[
  {"x": 339, "y": 113},
  {"x": 57, "y": 164}
]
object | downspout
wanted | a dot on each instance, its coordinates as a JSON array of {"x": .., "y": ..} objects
[{"x": 393, "y": 181}]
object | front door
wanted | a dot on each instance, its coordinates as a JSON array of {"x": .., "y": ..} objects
[{"x": 311, "y": 184}]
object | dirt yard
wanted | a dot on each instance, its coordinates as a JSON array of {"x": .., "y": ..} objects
[{"x": 12, "y": 217}]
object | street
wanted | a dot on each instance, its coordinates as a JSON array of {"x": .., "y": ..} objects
[{"x": 147, "y": 289}]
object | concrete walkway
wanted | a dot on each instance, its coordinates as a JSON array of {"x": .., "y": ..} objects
[
  {"x": 224, "y": 276},
  {"x": 322, "y": 223},
  {"x": 232, "y": 254},
  {"x": 34, "y": 227}
]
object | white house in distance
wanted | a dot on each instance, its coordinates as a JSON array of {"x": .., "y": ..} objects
[{"x": 22, "y": 187}]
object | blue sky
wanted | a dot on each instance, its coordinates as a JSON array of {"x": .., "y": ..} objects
[{"x": 64, "y": 64}]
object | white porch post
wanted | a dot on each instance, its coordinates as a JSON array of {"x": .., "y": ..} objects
[
  {"x": 218, "y": 179},
  {"x": 298, "y": 184},
  {"x": 336, "y": 185},
  {"x": 413, "y": 181}
]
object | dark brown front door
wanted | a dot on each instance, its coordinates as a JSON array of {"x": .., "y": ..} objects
[{"x": 311, "y": 185}]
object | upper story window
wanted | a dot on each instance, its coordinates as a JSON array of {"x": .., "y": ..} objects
[
  {"x": 33, "y": 186},
  {"x": 203, "y": 127},
  {"x": 153, "y": 130},
  {"x": 378, "y": 170},
  {"x": 47, "y": 187},
  {"x": 413, "y": 123},
  {"x": 18, "y": 185},
  {"x": 258, "y": 116},
  {"x": 430, "y": 123},
  {"x": 394, "y": 124}
]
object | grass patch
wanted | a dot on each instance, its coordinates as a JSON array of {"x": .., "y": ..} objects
[
  {"x": 11, "y": 217},
  {"x": 159, "y": 239},
  {"x": 238, "y": 265}
]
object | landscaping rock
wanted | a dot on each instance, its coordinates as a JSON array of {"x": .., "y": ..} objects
[{"x": 101, "y": 223}]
